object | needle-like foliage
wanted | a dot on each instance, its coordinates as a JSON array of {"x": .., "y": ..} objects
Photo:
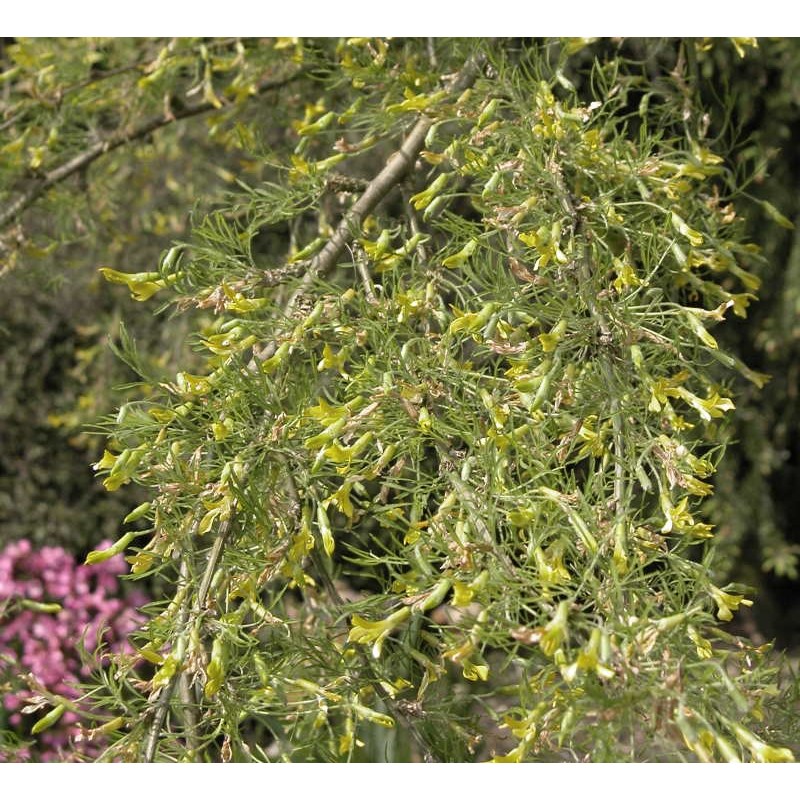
[{"x": 436, "y": 490}]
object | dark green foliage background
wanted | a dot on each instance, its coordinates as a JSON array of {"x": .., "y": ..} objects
[
  {"x": 757, "y": 502},
  {"x": 58, "y": 317}
]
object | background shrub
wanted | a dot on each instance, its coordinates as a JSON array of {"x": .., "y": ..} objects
[{"x": 52, "y": 608}]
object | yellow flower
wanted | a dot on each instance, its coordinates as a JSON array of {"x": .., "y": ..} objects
[
  {"x": 760, "y": 750},
  {"x": 474, "y": 672},
  {"x": 328, "y": 542},
  {"x": 416, "y": 102},
  {"x": 712, "y": 406},
  {"x": 365, "y": 631},
  {"x": 694, "y": 237},
  {"x": 107, "y": 461},
  {"x": 462, "y": 594},
  {"x": 341, "y": 500},
  {"x": 677, "y": 516},
  {"x": 423, "y": 199},
  {"x": 460, "y": 258},
  {"x": 121, "y": 467},
  {"x": 549, "y": 341},
  {"x": 331, "y": 360},
  {"x": 164, "y": 675},
  {"x": 215, "y": 671},
  {"x": 555, "y": 631},
  {"x": 702, "y": 645},
  {"x": 626, "y": 275},
  {"x": 514, "y": 756},
  {"x": 363, "y": 712},
  {"x": 551, "y": 565},
  {"x": 589, "y": 660},
  {"x": 593, "y": 439},
  {"x": 727, "y": 603},
  {"x": 327, "y": 435},
  {"x": 142, "y": 285},
  {"x": 344, "y": 455},
  {"x": 474, "y": 321}
]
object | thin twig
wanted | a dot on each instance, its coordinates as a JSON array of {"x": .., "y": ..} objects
[
  {"x": 115, "y": 140},
  {"x": 213, "y": 560},
  {"x": 276, "y": 276},
  {"x": 291, "y": 486},
  {"x": 474, "y": 506},
  {"x": 396, "y": 167},
  {"x": 585, "y": 275},
  {"x": 160, "y": 716},
  {"x": 11, "y": 120},
  {"x": 165, "y": 696},
  {"x": 103, "y": 76},
  {"x": 184, "y": 689},
  {"x": 416, "y": 230},
  {"x": 189, "y": 711},
  {"x": 431, "y": 45},
  {"x": 366, "y": 279}
]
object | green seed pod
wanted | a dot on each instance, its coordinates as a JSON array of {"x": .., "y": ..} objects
[
  {"x": 488, "y": 113},
  {"x": 315, "y": 127},
  {"x": 430, "y": 136},
  {"x": 423, "y": 199},
  {"x": 44, "y": 608},
  {"x": 580, "y": 527},
  {"x": 636, "y": 356},
  {"x": 119, "y": 464},
  {"x": 49, "y": 719},
  {"x": 98, "y": 556},
  {"x": 170, "y": 258},
  {"x": 137, "y": 513},
  {"x": 436, "y": 596},
  {"x": 543, "y": 392},
  {"x": 491, "y": 184},
  {"x": 328, "y": 542},
  {"x": 434, "y": 208},
  {"x": 215, "y": 671},
  {"x": 110, "y": 726},
  {"x": 328, "y": 435},
  {"x": 272, "y": 363}
]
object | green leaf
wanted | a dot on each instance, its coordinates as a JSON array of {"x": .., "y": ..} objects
[{"x": 776, "y": 215}]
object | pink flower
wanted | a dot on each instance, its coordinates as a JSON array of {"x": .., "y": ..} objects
[{"x": 46, "y": 644}]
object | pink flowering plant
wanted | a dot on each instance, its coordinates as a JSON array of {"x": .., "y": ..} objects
[{"x": 52, "y": 610}]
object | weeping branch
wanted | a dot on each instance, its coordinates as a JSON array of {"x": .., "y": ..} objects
[
  {"x": 41, "y": 185},
  {"x": 394, "y": 171},
  {"x": 604, "y": 329}
]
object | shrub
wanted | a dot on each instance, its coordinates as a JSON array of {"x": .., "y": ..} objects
[
  {"x": 444, "y": 466},
  {"x": 435, "y": 485}
]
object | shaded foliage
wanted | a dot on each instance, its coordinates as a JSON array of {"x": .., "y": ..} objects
[{"x": 60, "y": 98}]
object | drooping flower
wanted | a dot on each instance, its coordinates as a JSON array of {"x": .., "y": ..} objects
[
  {"x": 555, "y": 632},
  {"x": 377, "y": 631}
]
